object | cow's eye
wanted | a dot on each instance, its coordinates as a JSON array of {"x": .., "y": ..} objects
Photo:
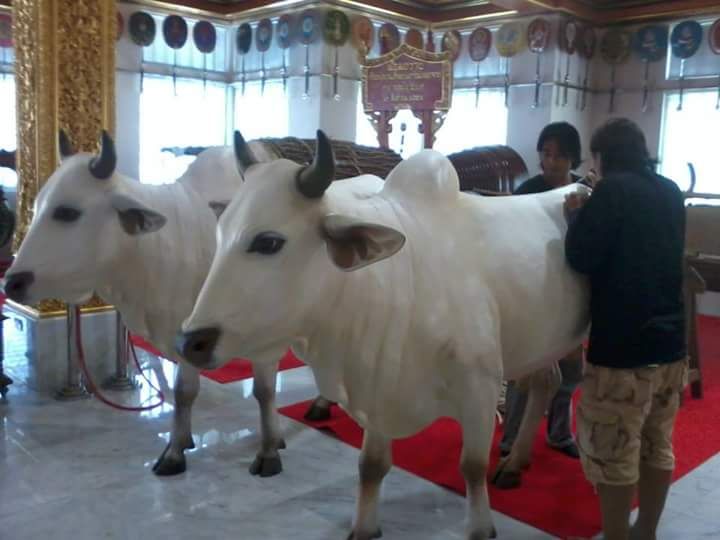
[
  {"x": 267, "y": 243},
  {"x": 66, "y": 214}
]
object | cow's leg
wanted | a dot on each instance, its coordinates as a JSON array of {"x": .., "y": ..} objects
[
  {"x": 187, "y": 384},
  {"x": 542, "y": 386},
  {"x": 319, "y": 410},
  {"x": 478, "y": 426},
  {"x": 267, "y": 462},
  {"x": 375, "y": 462}
]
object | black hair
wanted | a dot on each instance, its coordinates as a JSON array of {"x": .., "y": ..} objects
[
  {"x": 567, "y": 139},
  {"x": 620, "y": 146}
]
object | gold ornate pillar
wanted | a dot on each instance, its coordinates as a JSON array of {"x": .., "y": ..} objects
[{"x": 65, "y": 77}]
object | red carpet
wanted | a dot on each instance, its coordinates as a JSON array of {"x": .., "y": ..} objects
[
  {"x": 235, "y": 370},
  {"x": 555, "y": 496}
]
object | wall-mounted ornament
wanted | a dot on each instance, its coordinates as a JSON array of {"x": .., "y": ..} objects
[
  {"x": 205, "y": 39},
  {"x": 142, "y": 29},
  {"x": 389, "y": 37},
  {"x": 451, "y": 42},
  {"x": 308, "y": 34},
  {"x": 243, "y": 40},
  {"x": 615, "y": 50},
  {"x": 650, "y": 44},
  {"x": 429, "y": 41},
  {"x": 142, "y": 32},
  {"x": 263, "y": 39},
  {"x": 586, "y": 49},
  {"x": 414, "y": 38},
  {"x": 336, "y": 31},
  {"x": 538, "y": 37},
  {"x": 263, "y": 35},
  {"x": 509, "y": 41},
  {"x": 175, "y": 32},
  {"x": 714, "y": 39},
  {"x": 684, "y": 42},
  {"x": 284, "y": 35},
  {"x": 479, "y": 44},
  {"x": 362, "y": 33},
  {"x": 568, "y": 35}
]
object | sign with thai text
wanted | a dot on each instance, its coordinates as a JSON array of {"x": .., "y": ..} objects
[{"x": 407, "y": 78}]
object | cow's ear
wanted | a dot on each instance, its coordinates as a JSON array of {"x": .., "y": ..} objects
[
  {"x": 134, "y": 217},
  {"x": 218, "y": 207},
  {"x": 353, "y": 244}
]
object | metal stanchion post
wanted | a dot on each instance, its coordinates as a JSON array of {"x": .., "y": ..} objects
[
  {"x": 122, "y": 380},
  {"x": 74, "y": 387},
  {"x": 5, "y": 381}
]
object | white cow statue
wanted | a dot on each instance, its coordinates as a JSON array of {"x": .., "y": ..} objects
[
  {"x": 409, "y": 304},
  {"x": 91, "y": 232}
]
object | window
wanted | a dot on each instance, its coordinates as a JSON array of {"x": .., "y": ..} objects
[
  {"x": 8, "y": 177},
  {"x": 190, "y": 114},
  {"x": 468, "y": 125},
  {"x": 261, "y": 112},
  {"x": 365, "y": 133},
  {"x": 690, "y": 135}
]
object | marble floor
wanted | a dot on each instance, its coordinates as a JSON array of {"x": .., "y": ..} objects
[{"x": 81, "y": 470}]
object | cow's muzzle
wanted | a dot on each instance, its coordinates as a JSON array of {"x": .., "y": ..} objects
[
  {"x": 197, "y": 346},
  {"x": 17, "y": 285}
]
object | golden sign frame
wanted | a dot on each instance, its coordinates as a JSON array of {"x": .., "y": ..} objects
[{"x": 443, "y": 58}]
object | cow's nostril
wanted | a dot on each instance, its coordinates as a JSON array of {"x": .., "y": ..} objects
[
  {"x": 16, "y": 285},
  {"x": 197, "y": 345}
]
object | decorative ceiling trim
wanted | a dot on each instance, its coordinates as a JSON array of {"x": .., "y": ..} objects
[
  {"x": 372, "y": 8},
  {"x": 627, "y": 14},
  {"x": 405, "y": 11}
]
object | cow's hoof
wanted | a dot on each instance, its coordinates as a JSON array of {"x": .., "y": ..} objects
[
  {"x": 318, "y": 412},
  {"x": 504, "y": 479},
  {"x": 481, "y": 535},
  {"x": 266, "y": 466},
  {"x": 169, "y": 465},
  {"x": 364, "y": 536}
]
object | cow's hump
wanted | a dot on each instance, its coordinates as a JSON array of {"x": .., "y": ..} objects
[{"x": 426, "y": 175}]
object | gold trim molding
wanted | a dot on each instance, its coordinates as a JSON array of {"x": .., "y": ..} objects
[{"x": 54, "y": 308}]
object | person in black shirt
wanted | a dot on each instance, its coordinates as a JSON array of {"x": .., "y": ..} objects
[
  {"x": 559, "y": 149},
  {"x": 628, "y": 238}
]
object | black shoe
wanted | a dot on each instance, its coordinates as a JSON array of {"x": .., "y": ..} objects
[{"x": 571, "y": 450}]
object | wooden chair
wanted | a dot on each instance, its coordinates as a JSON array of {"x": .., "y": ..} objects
[{"x": 702, "y": 272}]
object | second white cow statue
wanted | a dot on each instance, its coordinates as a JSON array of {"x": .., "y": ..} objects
[
  {"x": 409, "y": 304},
  {"x": 146, "y": 250}
]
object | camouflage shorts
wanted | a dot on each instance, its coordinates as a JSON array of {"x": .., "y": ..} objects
[{"x": 625, "y": 417}]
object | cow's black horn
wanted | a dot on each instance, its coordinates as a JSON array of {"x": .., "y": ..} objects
[
  {"x": 103, "y": 166},
  {"x": 243, "y": 154},
  {"x": 313, "y": 180},
  {"x": 64, "y": 144}
]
